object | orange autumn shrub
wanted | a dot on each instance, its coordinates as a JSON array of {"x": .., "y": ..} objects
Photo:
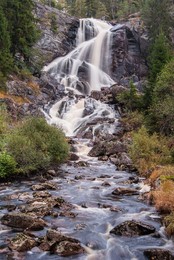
[
  {"x": 164, "y": 197},
  {"x": 163, "y": 173}
]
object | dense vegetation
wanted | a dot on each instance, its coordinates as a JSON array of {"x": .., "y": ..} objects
[
  {"x": 18, "y": 33},
  {"x": 29, "y": 145}
]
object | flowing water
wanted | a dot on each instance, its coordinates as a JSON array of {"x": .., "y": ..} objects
[{"x": 90, "y": 188}]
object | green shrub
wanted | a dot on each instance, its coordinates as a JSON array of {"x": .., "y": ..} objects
[
  {"x": 34, "y": 144},
  {"x": 161, "y": 113},
  {"x": 148, "y": 151},
  {"x": 7, "y": 165},
  {"x": 130, "y": 99},
  {"x": 169, "y": 223},
  {"x": 132, "y": 120}
]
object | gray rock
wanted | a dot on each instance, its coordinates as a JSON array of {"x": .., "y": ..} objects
[
  {"x": 23, "y": 221},
  {"x": 132, "y": 228},
  {"x": 44, "y": 186},
  {"x": 22, "y": 243},
  {"x": 124, "y": 191},
  {"x": 158, "y": 254}
]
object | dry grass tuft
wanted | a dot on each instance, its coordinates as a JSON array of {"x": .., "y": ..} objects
[
  {"x": 164, "y": 197},
  {"x": 34, "y": 86},
  {"x": 17, "y": 99},
  {"x": 162, "y": 172}
]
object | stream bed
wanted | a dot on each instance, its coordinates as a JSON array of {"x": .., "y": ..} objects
[{"x": 96, "y": 211}]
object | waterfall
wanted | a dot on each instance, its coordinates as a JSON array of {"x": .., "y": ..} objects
[
  {"x": 85, "y": 68},
  {"x": 81, "y": 71}
]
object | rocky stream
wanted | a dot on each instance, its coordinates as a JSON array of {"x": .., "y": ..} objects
[{"x": 93, "y": 206}]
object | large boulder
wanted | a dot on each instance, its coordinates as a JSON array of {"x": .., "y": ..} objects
[
  {"x": 132, "y": 228},
  {"x": 22, "y": 243},
  {"x": 23, "y": 221},
  {"x": 57, "y": 243}
]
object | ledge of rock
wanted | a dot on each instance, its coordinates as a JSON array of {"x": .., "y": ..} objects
[{"x": 132, "y": 228}]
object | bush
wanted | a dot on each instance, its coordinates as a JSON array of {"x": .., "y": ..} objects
[
  {"x": 7, "y": 165},
  {"x": 34, "y": 144},
  {"x": 161, "y": 114},
  {"x": 130, "y": 99},
  {"x": 169, "y": 223},
  {"x": 132, "y": 121},
  {"x": 163, "y": 173},
  {"x": 148, "y": 151},
  {"x": 164, "y": 197}
]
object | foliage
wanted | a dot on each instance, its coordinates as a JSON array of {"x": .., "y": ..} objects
[
  {"x": 3, "y": 120},
  {"x": 169, "y": 223},
  {"x": 7, "y": 165},
  {"x": 5, "y": 56},
  {"x": 159, "y": 56},
  {"x": 132, "y": 120},
  {"x": 157, "y": 18},
  {"x": 54, "y": 26},
  {"x": 147, "y": 151},
  {"x": 163, "y": 173},
  {"x": 18, "y": 34},
  {"x": 130, "y": 99},
  {"x": 161, "y": 113},
  {"x": 34, "y": 144},
  {"x": 164, "y": 197}
]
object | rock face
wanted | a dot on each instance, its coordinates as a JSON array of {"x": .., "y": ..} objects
[
  {"x": 129, "y": 48},
  {"x": 158, "y": 254},
  {"x": 54, "y": 43},
  {"x": 132, "y": 228}
]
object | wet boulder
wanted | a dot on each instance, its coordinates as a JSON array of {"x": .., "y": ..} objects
[
  {"x": 73, "y": 157},
  {"x": 158, "y": 254},
  {"x": 40, "y": 209},
  {"x": 57, "y": 243},
  {"x": 124, "y": 191},
  {"x": 23, "y": 221},
  {"x": 22, "y": 243},
  {"x": 132, "y": 228},
  {"x": 44, "y": 186},
  {"x": 98, "y": 149},
  {"x": 66, "y": 248},
  {"x": 56, "y": 236}
]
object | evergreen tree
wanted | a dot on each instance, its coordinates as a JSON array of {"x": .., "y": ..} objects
[
  {"x": 5, "y": 56},
  {"x": 157, "y": 18},
  {"x": 159, "y": 55},
  {"x": 91, "y": 6},
  {"x": 22, "y": 27},
  {"x": 80, "y": 8}
]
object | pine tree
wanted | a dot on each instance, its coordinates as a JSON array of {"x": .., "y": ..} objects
[
  {"x": 80, "y": 7},
  {"x": 5, "y": 56},
  {"x": 157, "y": 18},
  {"x": 160, "y": 54},
  {"x": 21, "y": 26}
]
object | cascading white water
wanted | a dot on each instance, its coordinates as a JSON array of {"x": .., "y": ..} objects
[
  {"x": 91, "y": 56},
  {"x": 81, "y": 71}
]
